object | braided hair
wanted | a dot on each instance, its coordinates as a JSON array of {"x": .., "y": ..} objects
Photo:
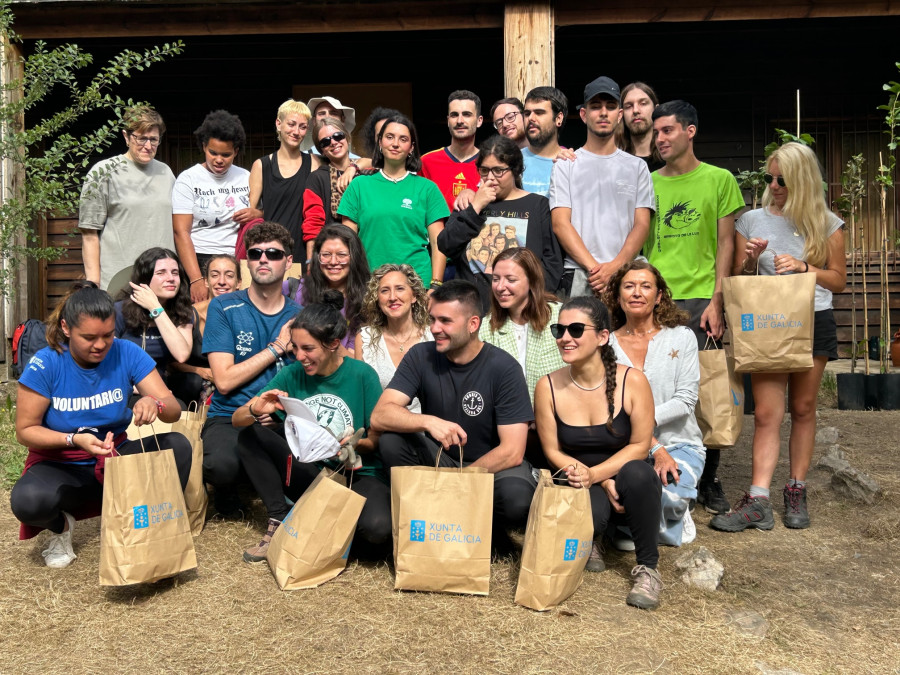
[{"x": 599, "y": 317}]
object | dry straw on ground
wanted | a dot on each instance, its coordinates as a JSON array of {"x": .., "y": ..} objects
[{"x": 829, "y": 596}]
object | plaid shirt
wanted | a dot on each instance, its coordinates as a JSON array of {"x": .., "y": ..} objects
[{"x": 541, "y": 353}]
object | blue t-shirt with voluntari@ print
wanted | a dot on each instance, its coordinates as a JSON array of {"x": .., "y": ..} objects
[
  {"x": 235, "y": 326},
  {"x": 88, "y": 397}
]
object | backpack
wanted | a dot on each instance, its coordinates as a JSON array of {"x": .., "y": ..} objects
[{"x": 28, "y": 338}]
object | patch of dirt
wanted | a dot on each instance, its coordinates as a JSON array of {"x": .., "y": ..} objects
[{"x": 829, "y": 596}]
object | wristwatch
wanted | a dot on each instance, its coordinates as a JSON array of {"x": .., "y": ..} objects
[{"x": 156, "y": 312}]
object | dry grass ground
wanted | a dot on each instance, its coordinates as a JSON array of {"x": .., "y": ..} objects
[{"x": 830, "y": 596}]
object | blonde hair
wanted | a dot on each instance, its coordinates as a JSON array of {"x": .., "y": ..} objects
[
  {"x": 292, "y": 107},
  {"x": 805, "y": 206}
]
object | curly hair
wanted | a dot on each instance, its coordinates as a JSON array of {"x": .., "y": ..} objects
[
  {"x": 223, "y": 126},
  {"x": 316, "y": 284},
  {"x": 178, "y": 308},
  {"x": 666, "y": 313},
  {"x": 371, "y": 312},
  {"x": 537, "y": 309},
  {"x": 269, "y": 231},
  {"x": 83, "y": 299},
  {"x": 599, "y": 316}
]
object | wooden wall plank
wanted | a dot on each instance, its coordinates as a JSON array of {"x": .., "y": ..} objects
[{"x": 528, "y": 46}]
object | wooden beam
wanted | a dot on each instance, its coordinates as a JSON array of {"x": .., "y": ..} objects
[
  {"x": 528, "y": 46},
  {"x": 15, "y": 308},
  {"x": 579, "y": 12},
  {"x": 59, "y": 20}
]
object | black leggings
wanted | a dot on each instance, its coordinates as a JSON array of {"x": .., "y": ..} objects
[
  {"x": 49, "y": 488},
  {"x": 264, "y": 452},
  {"x": 640, "y": 492}
]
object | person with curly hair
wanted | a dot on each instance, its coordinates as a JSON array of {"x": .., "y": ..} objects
[
  {"x": 395, "y": 310},
  {"x": 210, "y": 201},
  {"x": 595, "y": 421},
  {"x": 650, "y": 334},
  {"x": 372, "y": 127},
  {"x": 154, "y": 310}
]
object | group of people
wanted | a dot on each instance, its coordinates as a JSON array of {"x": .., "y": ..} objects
[{"x": 571, "y": 344}]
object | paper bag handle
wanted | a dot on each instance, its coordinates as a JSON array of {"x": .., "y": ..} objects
[
  {"x": 437, "y": 460},
  {"x": 768, "y": 250},
  {"x": 141, "y": 439}
]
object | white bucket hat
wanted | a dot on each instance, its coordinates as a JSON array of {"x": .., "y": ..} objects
[{"x": 349, "y": 117}]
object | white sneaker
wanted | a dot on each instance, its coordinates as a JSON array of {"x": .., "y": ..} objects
[
  {"x": 689, "y": 530},
  {"x": 59, "y": 553}
]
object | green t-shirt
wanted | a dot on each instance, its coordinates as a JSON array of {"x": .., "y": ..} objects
[
  {"x": 393, "y": 219},
  {"x": 341, "y": 401},
  {"x": 683, "y": 230}
]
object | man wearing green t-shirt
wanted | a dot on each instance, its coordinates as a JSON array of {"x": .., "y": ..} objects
[{"x": 691, "y": 241}]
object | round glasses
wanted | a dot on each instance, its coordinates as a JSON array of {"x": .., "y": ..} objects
[
  {"x": 328, "y": 256},
  {"x": 769, "y": 178},
  {"x": 508, "y": 118},
  {"x": 143, "y": 140}
]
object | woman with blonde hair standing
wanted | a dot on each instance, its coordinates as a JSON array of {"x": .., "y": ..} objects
[{"x": 795, "y": 225}]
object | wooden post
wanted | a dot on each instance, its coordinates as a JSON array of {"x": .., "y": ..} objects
[
  {"x": 12, "y": 185},
  {"x": 528, "y": 46}
]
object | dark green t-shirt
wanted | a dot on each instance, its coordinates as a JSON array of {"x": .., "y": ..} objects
[{"x": 342, "y": 401}]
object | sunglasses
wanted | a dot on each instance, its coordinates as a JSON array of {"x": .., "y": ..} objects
[
  {"x": 273, "y": 254},
  {"x": 576, "y": 330},
  {"x": 769, "y": 178},
  {"x": 336, "y": 137}
]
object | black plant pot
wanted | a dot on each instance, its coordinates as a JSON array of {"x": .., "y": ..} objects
[
  {"x": 851, "y": 391},
  {"x": 888, "y": 391}
]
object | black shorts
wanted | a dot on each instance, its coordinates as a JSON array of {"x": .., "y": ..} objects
[{"x": 825, "y": 335}]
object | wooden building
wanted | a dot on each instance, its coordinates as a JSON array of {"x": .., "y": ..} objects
[{"x": 740, "y": 62}]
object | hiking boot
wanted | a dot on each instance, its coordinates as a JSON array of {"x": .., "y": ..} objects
[
  {"x": 595, "y": 560},
  {"x": 647, "y": 586},
  {"x": 749, "y": 512},
  {"x": 711, "y": 495},
  {"x": 795, "y": 514},
  {"x": 257, "y": 553},
  {"x": 59, "y": 553}
]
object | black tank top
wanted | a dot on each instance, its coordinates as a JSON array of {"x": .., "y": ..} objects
[
  {"x": 282, "y": 199},
  {"x": 593, "y": 444}
]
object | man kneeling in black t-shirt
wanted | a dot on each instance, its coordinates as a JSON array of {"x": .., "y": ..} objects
[{"x": 472, "y": 394}]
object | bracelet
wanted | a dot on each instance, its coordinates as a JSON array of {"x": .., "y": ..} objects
[
  {"x": 807, "y": 267},
  {"x": 274, "y": 353},
  {"x": 195, "y": 281},
  {"x": 437, "y": 282},
  {"x": 655, "y": 448},
  {"x": 69, "y": 442},
  {"x": 154, "y": 313},
  {"x": 252, "y": 414},
  {"x": 355, "y": 166},
  {"x": 160, "y": 406},
  {"x": 280, "y": 346}
]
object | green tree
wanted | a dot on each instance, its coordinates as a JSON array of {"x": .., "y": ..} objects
[{"x": 54, "y": 161}]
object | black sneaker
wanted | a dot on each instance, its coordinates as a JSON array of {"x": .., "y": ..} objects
[
  {"x": 712, "y": 497},
  {"x": 229, "y": 506},
  {"x": 749, "y": 512},
  {"x": 795, "y": 514}
]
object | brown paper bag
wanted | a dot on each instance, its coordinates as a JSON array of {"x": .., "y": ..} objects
[
  {"x": 144, "y": 530},
  {"x": 720, "y": 402},
  {"x": 195, "y": 497},
  {"x": 558, "y": 540},
  {"x": 771, "y": 320},
  {"x": 442, "y": 520},
  {"x": 312, "y": 544}
]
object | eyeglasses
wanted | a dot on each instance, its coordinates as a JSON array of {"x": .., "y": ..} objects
[
  {"x": 508, "y": 118},
  {"x": 143, "y": 140},
  {"x": 273, "y": 254},
  {"x": 337, "y": 137},
  {"x": 769, "y": 178},
  {"x": 576, "y": 330},
  {"x": 328, "y": 256},
  {"x": 497, "y": 171}
]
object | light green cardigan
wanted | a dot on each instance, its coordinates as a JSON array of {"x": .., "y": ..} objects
[{"x": 541, "y": 355}]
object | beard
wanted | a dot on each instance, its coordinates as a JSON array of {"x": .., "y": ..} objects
[
  {"x": 539, "y": 138},
  {"x": 639, "y": 128}
]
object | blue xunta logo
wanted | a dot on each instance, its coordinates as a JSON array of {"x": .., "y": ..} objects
[
  {"x": 746, "y": 322},
  {"x": 417, "y": 530},
  {"x": 571, "y": 549},
  {"x": 141, "y": 517}
]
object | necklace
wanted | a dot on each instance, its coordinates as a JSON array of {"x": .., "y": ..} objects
[
  {"x": 401, "y": 345},
  {"x": 639, "y": 333},
  {"x": 572, "y": 377},
  {"x": 393, "y": 180}
]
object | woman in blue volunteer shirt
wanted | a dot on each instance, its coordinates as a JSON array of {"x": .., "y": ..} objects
[{"x": 72, "y": 412}]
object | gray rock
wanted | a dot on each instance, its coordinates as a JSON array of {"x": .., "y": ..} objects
[
  {"x": 826, "y": 436},
  {"x": 701, "y": 569},
  {"x": 833, "y": 459},
  {"x": 747, "y": 623},
  {"x": 765, "y": 670},
  {"x": 856, "y": 485}
]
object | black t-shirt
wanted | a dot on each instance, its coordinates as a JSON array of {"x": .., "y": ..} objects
[{"x": 487, "y": 391}]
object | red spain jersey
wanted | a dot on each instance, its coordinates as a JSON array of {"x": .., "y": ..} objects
[{"x": 449, "y": 174}]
